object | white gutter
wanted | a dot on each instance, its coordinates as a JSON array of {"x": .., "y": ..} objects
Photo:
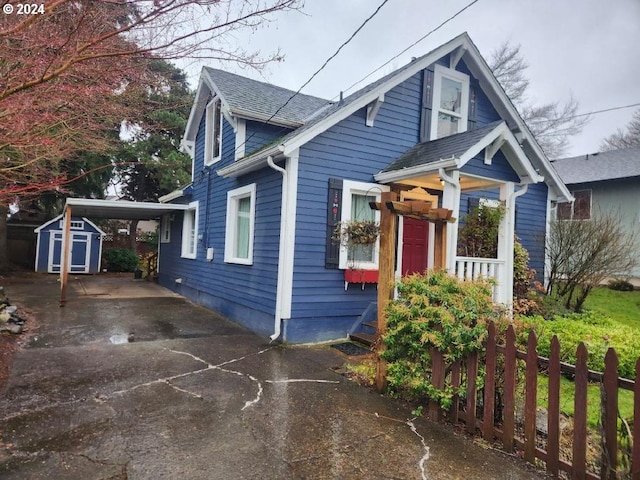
[
  {"x": 277, "y": 321},
  {"x": 404, "y": 173}
]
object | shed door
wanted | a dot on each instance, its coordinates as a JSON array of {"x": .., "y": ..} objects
[
  {"x": 415, "y": 246},
  {"x": 80, "y": 252}
]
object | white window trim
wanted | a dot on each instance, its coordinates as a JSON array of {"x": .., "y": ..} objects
[
  {"x": 165, "y": 229},
  {"x": 439, "y": 73},
  {"x": 73, "y": 225},
  {"x": 209, "y": 133},
  {"x": 186, "y": 227},
  {"x": 230, "y": 230},
  {"x": 349, "y": 187}
]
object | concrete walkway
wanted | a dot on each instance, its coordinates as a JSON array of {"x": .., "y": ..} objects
[{"x": 197, "y": 397}]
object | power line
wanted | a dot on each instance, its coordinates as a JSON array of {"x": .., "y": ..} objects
[
  {"x": 412, "y": 45},
  {"x": 344, "y": 44},
  {"x": 594, "y": 112}
]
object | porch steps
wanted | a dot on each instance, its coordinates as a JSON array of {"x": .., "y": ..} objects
[
  {"x": 365, "y": 328},
  {"x": 368, "y": 335}
]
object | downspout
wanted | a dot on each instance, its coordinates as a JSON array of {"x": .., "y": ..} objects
[
  {"x": 521, "y": 192},
  {"x": 281, "y": 255}
]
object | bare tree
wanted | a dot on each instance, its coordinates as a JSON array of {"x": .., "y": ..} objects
[
  {"x": 583, "y": 253},
  {"x": 550, "y": 123},
  {"x": 624, "y": 138}
]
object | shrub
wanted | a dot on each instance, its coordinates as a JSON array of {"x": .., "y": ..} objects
[
  {"x": 120, "y": 260},
  {"x": 598, "y": 334},
  {"x": 433, "y": 310},
  {"x": 621, "y": 285}
]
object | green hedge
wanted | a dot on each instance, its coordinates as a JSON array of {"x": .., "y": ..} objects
[
  {"x": 120, "y": 260},
  {"x": 598, "y": 334}
]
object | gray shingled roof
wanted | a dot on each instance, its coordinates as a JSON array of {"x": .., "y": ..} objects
[
  {"x": 264, "y": 99},
  {"x": 595, "y": 167},
  {"x": 440, "y": 149}
]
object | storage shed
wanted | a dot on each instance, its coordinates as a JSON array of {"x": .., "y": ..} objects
[{"x": 86, "y": 246}]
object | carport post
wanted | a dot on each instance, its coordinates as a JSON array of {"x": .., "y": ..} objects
[{"x": 64, "y": 263}]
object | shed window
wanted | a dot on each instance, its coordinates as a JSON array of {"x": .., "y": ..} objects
[
  {"x": 450, "y": 102},
  {"x": 75, "y": 224}
]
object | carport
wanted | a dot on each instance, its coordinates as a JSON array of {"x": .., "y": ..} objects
[{"x": 111, "y": 209}]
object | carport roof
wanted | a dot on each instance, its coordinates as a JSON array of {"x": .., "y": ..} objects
[{"x": 121, "y": 209}]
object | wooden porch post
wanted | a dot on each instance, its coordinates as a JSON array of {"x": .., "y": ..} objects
[
  {"x": 386, "y": 279},
  {"x": 64, "y": 255},
  {"x": 440, "y": 246}
]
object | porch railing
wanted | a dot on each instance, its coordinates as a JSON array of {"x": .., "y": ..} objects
[{"x": 470, "y": 268}]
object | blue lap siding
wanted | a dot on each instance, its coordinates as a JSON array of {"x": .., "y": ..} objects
[{"x": 244, "y": 293}]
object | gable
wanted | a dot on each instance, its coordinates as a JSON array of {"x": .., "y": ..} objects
[{"x": 460, "y": 53}]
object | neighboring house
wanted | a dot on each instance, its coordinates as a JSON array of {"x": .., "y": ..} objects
[
  {"x": 86, "y": 246},
  {"x": 272, "y": 175},
  {"x": 605, "y": 182}
]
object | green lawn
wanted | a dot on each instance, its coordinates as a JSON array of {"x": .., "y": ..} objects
[
  {"x": 567, "y": 389},
  {"x": 623, "y": 307}
]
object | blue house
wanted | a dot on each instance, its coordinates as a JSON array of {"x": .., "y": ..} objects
[
  {"x": 86, "y": 246},
  {"x": 273, "y": 173}
]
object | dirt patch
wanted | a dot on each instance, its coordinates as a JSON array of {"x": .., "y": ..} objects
[
  {"x": 10, "y": 344},
  {"x": 8, "y": 347}
]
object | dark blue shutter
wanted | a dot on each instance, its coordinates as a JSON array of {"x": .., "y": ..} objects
[
  {"x": 427, "y": 100},
  {"x": 334, "y": 212},
  {"x": 474, "y": 88}
]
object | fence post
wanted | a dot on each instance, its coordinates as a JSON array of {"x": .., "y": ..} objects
[
  {"x": 553, "y": 413},
  {"x": 610, "y": 416},
  {"x": 437, "y": 380},
  {"x": 635, "y": 458},
  {"x": 530, "y": 402},
  {"x": 455, "y": 383},
  {"x": 509, "y": 389},
  {"x": 489, "y": 385},
  {"x": 472, "y": 393},
  {"x": 580, "y": 413}
]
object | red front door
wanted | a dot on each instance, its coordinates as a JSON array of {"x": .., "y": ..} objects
[{"x": 415, "y": 246}]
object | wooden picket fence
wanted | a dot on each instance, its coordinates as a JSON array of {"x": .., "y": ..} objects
[{"x": 480, "y": 417}]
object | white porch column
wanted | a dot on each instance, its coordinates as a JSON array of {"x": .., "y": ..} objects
[
  {"x": 506, "y": 233},
  {"x": 451, "y": 200}
]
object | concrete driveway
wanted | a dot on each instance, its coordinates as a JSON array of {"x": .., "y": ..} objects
[{"x": 197, "y": 397}]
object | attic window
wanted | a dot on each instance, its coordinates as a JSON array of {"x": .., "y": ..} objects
[
  {"x": 450, "y": 102},
  {"x": 213, "y": 132}
]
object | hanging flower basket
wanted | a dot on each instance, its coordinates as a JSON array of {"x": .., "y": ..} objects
[{"x": 356, "y": 232}]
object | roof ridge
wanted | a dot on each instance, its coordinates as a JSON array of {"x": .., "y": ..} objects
[{"x": 261, "y": 82}]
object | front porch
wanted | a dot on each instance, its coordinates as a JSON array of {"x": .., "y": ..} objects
[{"x": 487, "y": 165}]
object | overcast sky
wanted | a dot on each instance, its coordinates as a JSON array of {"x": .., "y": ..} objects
[{"x": 590, "y": 48}]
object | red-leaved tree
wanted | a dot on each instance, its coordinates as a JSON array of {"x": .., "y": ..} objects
[{"x": 66, "y": 75}]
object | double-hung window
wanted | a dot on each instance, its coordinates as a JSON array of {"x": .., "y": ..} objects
[
  {"x": 580, "y": 209},
  {"x": 165, "y": 229},
  {"x": 213, "y": 132},
  {"x": 355, "y": 206},
  {"x": 190, "y": 231},
  {"x": 450, "y": 102},
  {"x": 241, "y": 208}
]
